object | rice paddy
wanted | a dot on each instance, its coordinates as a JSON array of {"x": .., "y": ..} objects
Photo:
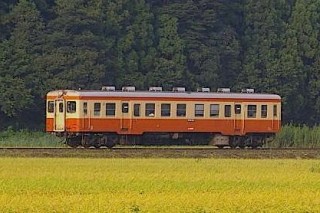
[{"x": 158, "y": 185}]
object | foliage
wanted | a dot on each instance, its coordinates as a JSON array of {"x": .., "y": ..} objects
[{"x": 272, "y": 46}]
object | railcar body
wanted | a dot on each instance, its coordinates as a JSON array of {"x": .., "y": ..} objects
[{"x": 97, "y": 118}]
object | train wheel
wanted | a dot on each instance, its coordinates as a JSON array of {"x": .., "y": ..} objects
[
  {"x": 73, "y": 142},
  {"x": 112, "y": 141},
  {"x": 220, "y": 146}
]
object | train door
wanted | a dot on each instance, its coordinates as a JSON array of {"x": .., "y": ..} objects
[
  {"x": 125, "y": 116},
  {"x": 239, "y": 113},
  {"x": 59, "y": 115}
]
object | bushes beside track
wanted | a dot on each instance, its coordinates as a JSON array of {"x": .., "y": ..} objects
[
  {"x": 26, "y": 138},
  {"x": 297, "y": 136},
  {"x": 289, "y": 136}
]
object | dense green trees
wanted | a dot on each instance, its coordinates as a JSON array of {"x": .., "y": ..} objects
[{"x": 272, "y": 46}]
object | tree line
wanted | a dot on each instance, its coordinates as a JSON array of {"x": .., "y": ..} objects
[{"x": 271, "y": 46}]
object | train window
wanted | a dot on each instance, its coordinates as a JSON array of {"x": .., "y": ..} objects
[
  {"x": 227, "y": 111},
  {"x": 150, "y": 110},
  {"x": 181, "y": 110},
  {"x": 97, "y": 109},
  {"x": 275, "y": 110},
  {"x": 71, "y": 107},
  {"x": 165, "y": 110},
  {"x": 50, "y": 106},
  {"x": 264, "y": 111},
  {"x": 60, "y": 107},
  {"x": 125, "y": 107},
  {"x": 110, "y": 109},
  {"x": 214, "y": 110},
  {"x": 199, "y": 110},
  {"x": 252, "y": 111},
  {"x": 85, "y": 108},
  {"x": 136, "y": 110},
  {"x": 237, "y": 109}
]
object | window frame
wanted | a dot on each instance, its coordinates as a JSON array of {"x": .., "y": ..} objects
[
  {"x": 136, "y": 110},
  {"x": 253, "y": 111},
  {"x": 217, "y": 111},
  {"x": 50, "y": 106},
  {"x": 198, "y": 112},
  {"x": 85, "y": 108},
  {"x": 97, "y": 110},
  {"x": 113, "y": 110},
  {"x": 264, "y": 112},
  {"x": 227, "y": 111},
  {"x": 71, "y": 107},
  {"x": 150, "y": 112},
  {"x": 165, "y": 112},
  {"x": 181, "y": 112}
]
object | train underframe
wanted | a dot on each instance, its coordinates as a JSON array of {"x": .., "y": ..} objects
[{"x": 97, "y": 140}]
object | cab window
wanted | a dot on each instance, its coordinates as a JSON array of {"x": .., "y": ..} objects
[
  {"x": 50, "y": 106},
  {"x": 71, "y": 107}
]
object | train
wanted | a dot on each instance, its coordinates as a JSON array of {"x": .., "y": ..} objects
[{"x": 107, "y": 117}]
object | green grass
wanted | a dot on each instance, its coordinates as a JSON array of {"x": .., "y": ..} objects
[
  {"x": 24, "y": 138},
  {"x": 158, "y": 185},
  {"x": 289, "y": 136},
  {"x": 297, "y": 136}
]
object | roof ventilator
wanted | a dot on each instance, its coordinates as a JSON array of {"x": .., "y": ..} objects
[
  {"x": 224, "y": 90},
  {"x": 155, "y": 89},
  {"x": 247, "y": 91},
  {"x": 128, "y": 89},
  {"x": 179, "y": 89},
  {"x": 108, "y": 88},
  {"x": 203, "y": 89}
]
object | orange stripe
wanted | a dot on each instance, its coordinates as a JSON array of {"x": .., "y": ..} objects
[{"x": 139, "y": 126}]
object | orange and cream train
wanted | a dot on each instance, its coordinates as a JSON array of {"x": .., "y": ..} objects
[{"x": 108, "y": 117}]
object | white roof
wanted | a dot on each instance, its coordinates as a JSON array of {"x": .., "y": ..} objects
[{"x": 146, "y": 94}]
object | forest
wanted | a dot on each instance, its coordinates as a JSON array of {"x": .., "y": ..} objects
[{"x": 272, "y": 46}]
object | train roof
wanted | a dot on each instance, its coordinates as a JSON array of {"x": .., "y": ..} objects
[{"x": 166, "y": 94}]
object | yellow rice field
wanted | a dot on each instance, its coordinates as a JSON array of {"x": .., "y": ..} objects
[{"x": 158, "y": 185}]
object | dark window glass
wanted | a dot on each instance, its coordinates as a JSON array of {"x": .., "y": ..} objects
[
  {"x": 61, "y": 107},
  {"x": 150, "y": 110},
  {"x": 237, "y": 109},
  {"x": 214, "y": 110},
  {"x": 264, "y": 111},
  {"x": 136, "y": 110},
  {"x": 71, "y": 107},
  {"x": 199, "y": 110},
  {"x": 50, "y": 106},
  {"x": 165, "y": 110},
  {"x": 85, "y": 108},
  {"x": 97, "y": 109},
  {"x": 125, "y": 108},
  {"x": 275, "y": 110},
  {"x": 110, "y": 109},
  {"x": 181, "y": 110},
  {"x": 252, "y": 111},
  {"x": 227, "y": 111}
]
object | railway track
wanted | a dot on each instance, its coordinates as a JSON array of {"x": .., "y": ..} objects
[{"x": 162, "y": 152}]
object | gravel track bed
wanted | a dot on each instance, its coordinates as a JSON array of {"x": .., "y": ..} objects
[{"x": 162, "y": 153}]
